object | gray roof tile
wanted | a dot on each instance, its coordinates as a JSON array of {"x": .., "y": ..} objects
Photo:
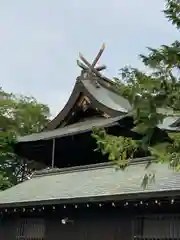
[
  {"x": 88, "y": 125},
  {"x": 90, "y": 182},
  {"x": 79, "y": 127},
  {"x": 108, "y": 98}
]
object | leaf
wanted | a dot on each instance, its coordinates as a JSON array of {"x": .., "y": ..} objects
[
  {"x": 153, "y": 96},
  {"x": 18, "y": 115}
]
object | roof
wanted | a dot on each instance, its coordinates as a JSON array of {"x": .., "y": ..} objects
[
  {"x": 87, "y": 126},
  {"x": 169, "y": 124},
  {"x": 104, "y": 97},
  {"x": 107, "y": 97},
  {"x": 72, "y": 129},
  {"x": 89, "y": 183}
]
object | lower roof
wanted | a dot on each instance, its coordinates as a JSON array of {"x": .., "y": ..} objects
[
  {"x": 75, "y": 128},
  {"x": 91, "y": 183},
  {"x": 87, "y": 126}
]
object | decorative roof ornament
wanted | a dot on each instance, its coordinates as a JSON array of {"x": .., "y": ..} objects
[{"x": 89, "y": 69}]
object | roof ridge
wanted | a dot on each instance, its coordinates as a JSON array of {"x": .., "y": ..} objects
[{"x": 55, "y": 171}]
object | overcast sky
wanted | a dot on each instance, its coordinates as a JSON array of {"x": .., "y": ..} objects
[{"x": 40, "y": 41}]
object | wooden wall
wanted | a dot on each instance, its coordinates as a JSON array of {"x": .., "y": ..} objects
[
  {"x": 8, "y": 228},
  {"x": 81, "y": 228},
  {"x": 164, "y": 226},
  {"x": 95, "y": 229},
  {"x": 94, "y": 226}
]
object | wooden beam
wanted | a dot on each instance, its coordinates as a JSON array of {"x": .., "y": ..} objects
[
  {"x": 100, "y": 68},
  {"x": 92, "y": 69},
  {"x": 98, "y": 55}
]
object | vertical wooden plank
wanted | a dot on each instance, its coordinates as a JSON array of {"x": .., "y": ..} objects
[
  {"x": 30, "y": 229},
  {"x": 159, "y": 227},
  {"x": 8, "y": 227}
]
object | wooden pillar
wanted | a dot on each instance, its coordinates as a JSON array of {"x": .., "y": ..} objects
[{"x": 53, "y": 152}]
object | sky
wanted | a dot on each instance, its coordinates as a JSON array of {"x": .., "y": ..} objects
[{"x": 40, "y": 41}]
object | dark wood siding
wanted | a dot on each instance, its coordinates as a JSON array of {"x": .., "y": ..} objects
[
  {"x": 97, "y": 228},
  {"x": 31, "y": 229},
  {"x": 22, "y": 229},
  {"x": 93, "y": 227},
  {"x": 157, "y": 227},
  {"x": 8, "y": 229}
]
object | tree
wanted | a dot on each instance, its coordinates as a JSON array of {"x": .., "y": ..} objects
[
  {"x": 19, "y": 115},
  {"x": 153, "y": 97}
]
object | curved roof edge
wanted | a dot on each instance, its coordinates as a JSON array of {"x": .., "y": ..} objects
[
  {"x": 72, "y": 129},
  {"x": 102, "y": 96},
  {"x": 69, "y": 104}
]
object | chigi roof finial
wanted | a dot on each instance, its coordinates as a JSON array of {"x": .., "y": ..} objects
[{"x": 89, "y": 69}]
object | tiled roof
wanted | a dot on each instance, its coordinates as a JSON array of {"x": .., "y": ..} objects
[
  {"x": 107, "y": 97},
  {"x": 79, "y": 127},
  {"x": 90, "y": 182},
  {"x": 88, "y": 125}
]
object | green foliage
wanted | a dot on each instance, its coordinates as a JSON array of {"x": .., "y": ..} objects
[
  {"x": 19, "y": 115},
  {"x": 22, "y": 114},
  {"x": 166, "y": 57},
  {"x": 172, "y": 12},
  {"x": 153, "y": 97},
  {"x": 4, "y": 181},
  {"x": 119, "y": 149}
]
